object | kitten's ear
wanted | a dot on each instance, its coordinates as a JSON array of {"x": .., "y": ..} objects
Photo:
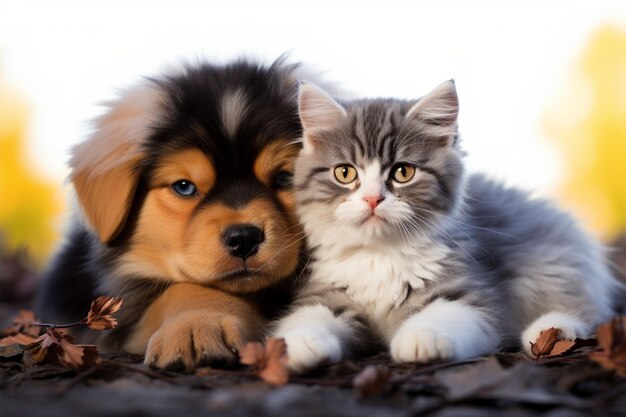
[
  {"x": 104, "y": 167},
  {"x": 438, "y": 111},
  {"x": 318, "y": 111}
]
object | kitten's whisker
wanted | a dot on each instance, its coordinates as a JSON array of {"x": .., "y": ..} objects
[
  {"x": 447, "y": 221},
  {"x": 290, "y": 242},
  {"x": 465, "y": 224},
  {"x": 435, "y": 229},
  {"x": 487, "y": 230},
  {"x": 304, "y": 267}
]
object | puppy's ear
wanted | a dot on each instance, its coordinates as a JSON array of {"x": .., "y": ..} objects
[{"x": 105, "y": 166}]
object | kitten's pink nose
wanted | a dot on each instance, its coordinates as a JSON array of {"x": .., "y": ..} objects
[{"x": 373, "y": 201}]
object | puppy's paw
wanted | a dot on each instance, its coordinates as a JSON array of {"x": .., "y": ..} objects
[
  {"x": 197, "y": 338},
  {"x": 415, "y": 342},
  {"x": 312, "y": 345},
  {"x": 570, "y": 327}
]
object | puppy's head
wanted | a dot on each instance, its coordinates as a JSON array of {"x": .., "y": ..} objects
[{"x": 188, "y": 178}]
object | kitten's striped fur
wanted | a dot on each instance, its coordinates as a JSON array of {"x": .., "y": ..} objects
[{"x": 433, "y": 268}]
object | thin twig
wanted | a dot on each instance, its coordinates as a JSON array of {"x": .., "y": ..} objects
[
  {"x": 342, "y": 383},
  {"x": 399, "y": 379},
  {"x": 59, "y": 326},
  {"x": 140, "y": 370},
  {"x": 78, "y": 378},
  {"x": 227, "y": 372},
  {"x": 560, "y": 359}
]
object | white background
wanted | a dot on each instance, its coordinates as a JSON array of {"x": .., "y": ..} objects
[{"x": 509, "y": 59}]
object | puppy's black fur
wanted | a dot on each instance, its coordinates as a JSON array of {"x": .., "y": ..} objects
[{"x": 190, "y": 115}]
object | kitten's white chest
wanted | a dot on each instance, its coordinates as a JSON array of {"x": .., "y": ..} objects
[{"x": 379, "y": 278}]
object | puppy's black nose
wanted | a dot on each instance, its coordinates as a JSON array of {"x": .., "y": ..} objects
[{"x": 243, "y": 240}]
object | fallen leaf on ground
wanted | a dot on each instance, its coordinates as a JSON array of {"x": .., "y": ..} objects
[
  {"x": 371, "y": 381},
  {"x": 548, "y": 344},
  {"x": 11, "y": 350},
  {"x": 17, "y": 339},
  {"x": 611, "y": 352},
  {"x": 565, "y": 346},
  {"x": 100, "y": 316},
  {"x": 269, "y": 360},
  {"x": 561, "y": 347},
  {"x": 252, "y": 354},
  {"x": 466, "y": 381},
  {"x": 23, "y": 323},
  {"x": 545, "y": 342},
  {"x": 55, "y": 347},
  {"x": 19, "y": 334},
  {"x": 528, "y": 384}
]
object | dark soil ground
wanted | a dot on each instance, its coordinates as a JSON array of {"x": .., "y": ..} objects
[{"x": 506, "y": 384}]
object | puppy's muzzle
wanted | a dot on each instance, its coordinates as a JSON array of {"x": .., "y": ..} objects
[{"x": 243, "y": 240}]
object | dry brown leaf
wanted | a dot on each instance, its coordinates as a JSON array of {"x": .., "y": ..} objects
[
  {"x": 275, "y": 371},
  {"x": 23, "y": 323},
  {"x": 37, "y": 354},
  {"x": 269, "y": 360},
  {"x": 548, "y": 344},
  {"x": 611, "y": 335},
  {"x": 40, "y": 350},
  {"x": 252, "y": 354},
  {"x": 545, "y": 342},
  {"x": 17, "y": 339},
  {"x": 91, "y": 356},
  {"x": 12, "y": 350},
  {"x": 566, "y": 346},
  {"x": 55, "y": 347},
  {"x": 611, "y": 352},
  {"x": 71, "y": 354},
  {"x": 561, "y": 347},
  {"x": 100, "y": 316},
  {"x": 371, "y": 381},
  {"x": 466, "y": 381}
]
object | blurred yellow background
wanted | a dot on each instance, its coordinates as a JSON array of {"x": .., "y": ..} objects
[
  {"x": 588, "y": 121},
  {"x": 30, "y": 205}
]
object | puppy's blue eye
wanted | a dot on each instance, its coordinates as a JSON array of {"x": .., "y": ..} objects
[
  {"x": 185, "y": 188},
  {"x": 283, "y": 179}
]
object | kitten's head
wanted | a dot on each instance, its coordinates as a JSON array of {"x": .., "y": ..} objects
[{"x": 377, "y": 168}]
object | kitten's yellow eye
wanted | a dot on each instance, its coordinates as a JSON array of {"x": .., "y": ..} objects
[
  {"x": 345, "y": 174},
  {"x": 403, "y": 173}
]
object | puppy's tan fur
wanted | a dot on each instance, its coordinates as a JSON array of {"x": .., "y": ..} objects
[
  {"x": 177, "y": 240},
  {"x": 188, "y": 294},
  {"x": 188, "y": 322},
  {"x": 102, "y": 167}
]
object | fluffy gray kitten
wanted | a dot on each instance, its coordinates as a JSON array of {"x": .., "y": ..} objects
[{"x": 409, "y": 253}]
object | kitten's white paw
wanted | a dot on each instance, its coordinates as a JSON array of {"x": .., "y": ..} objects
[
  {"x": 415, "y": 342},
  {"x": 570, "y": 326},
  {"x": 310, "y": 346},
  {"x": 444, "y": 330}
]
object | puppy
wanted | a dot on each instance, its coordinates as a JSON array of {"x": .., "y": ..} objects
[{"x": 186, "y": 212}]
